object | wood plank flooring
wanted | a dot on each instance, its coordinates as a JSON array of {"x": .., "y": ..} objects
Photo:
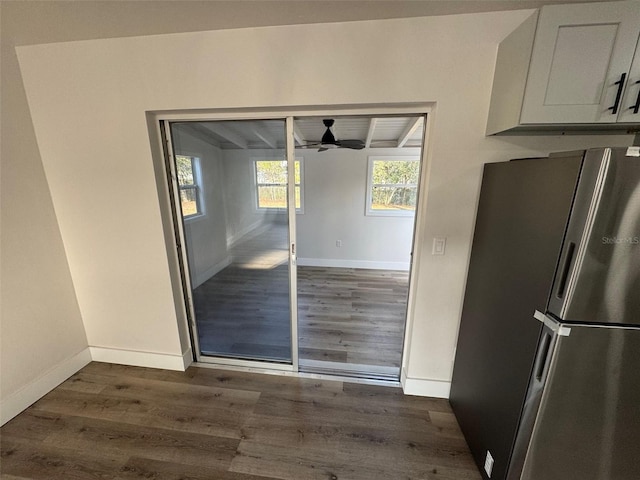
[
  {"x": 351, "y": 315},
  {"x": 345, "y": 315},
  {"x": 118, "y": 422}
]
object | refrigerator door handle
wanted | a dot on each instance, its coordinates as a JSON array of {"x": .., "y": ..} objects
[
  {"x": 557, "y": 328},
  {"x": 568, "y": 260},
  {"x": 541, "y": 366},
  {"x": 543, "y": 356}
]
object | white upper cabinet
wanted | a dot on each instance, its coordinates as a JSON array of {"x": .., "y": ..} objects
[{"x": 574, "y": 66}]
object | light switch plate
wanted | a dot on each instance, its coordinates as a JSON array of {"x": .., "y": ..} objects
[{"x": 439, "y": 244}]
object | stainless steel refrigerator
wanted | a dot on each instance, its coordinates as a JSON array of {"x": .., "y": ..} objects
[{"x": 546, "y": 381}]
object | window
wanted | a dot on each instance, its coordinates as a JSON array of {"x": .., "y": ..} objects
[
  {"x": 271, "y": 184},
  {"x": 188, "y": 182},
  {"x": 392, "y": 185}
]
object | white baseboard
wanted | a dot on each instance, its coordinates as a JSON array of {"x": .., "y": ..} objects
[
  {"x": 207, "y": 274},
  {"x": 247, "y": 232},
  {"x": 422, "y": 387},
  {"x": 338, "y": 263},
  {"x": 38, "y": 388},
  {"x": 141, "y": 359},
  {"x": 187, "y": 358}
]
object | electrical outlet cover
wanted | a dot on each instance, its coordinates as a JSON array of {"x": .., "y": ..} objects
[{"x": 488, "y": 464}]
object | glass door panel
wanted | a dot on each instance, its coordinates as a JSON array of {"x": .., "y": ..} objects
[
  {"x": 354, "y": 242},
  {"x": 232, "y": 180}
]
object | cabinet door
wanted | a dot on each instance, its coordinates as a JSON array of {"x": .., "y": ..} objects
[
  {"x": 630, "y": 104},
  {"x": 579, "y": 54}
]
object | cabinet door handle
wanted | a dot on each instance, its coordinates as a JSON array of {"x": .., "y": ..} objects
[
  {"x": 620, "y": 84},
  {"x": 636, "y": 107}
]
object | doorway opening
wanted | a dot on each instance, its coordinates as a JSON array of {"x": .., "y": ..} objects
[{"x": 318, "y": 284}]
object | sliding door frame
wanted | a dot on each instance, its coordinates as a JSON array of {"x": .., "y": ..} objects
[
  {"x": 186, "y": 277},
  {"x": 290, "y": 150},
  {"x": 179, "y": 235},
  {"x": 163, "y": 119}
]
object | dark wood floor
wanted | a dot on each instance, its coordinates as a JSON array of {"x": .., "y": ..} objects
[
  {"x": 117, "y": 422},
  {"x": 352, "y": 315},
  {"x": 346, "y": 315},
  {"x": 245, "y": 312}
]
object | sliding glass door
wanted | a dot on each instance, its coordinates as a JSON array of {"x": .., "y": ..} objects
[
  {"x": 296, "y": 241},
  {"x": 232, "y": 181}
]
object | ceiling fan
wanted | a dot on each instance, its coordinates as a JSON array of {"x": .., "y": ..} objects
[{"x": 329, "y": 140}]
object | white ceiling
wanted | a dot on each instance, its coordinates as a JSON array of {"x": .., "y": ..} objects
[{"x": 376, "y": 132}]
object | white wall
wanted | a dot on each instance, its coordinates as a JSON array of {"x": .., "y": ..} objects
[
  {"x": 335, "y": 185},
  {"x": 334, "y": 191},
  {"x": 448, "y": 60},
  {"x": 206, "y": 235},
  {"x": 43, "y": 339}
]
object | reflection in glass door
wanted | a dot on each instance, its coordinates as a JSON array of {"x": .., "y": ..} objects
[{"x": 232, "y": 182}]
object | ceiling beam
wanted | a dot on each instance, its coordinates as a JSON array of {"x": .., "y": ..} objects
[
  {"x": 409, "y": 130},
  {"x": 226, "y": 133},
  {"x": 197, "y": 131},
  {"x": 297, "y": 135},
  {"x": 262, "y": 133},
  {"x": 372, "y": 127}
]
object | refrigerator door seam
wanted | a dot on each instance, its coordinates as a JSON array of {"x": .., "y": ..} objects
[
  {"x": 588, "y": 228},
  {"x": 561, "y": 330}
]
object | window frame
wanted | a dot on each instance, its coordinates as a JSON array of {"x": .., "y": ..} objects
[
  {"x": 197, "y": 186},
  {"x": 254, "y": 161},
  {"x": 370, "y": 184}
]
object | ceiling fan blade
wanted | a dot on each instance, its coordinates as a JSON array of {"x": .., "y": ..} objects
[{"x": 353, "y": 144}]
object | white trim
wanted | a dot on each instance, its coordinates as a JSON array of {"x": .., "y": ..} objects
[
  {"x": 418, "y": 235},
  {"x": 426, "y": 109},
  {"x": 38, "y": 388},
  {"x": 365, "y": 264},
  {"x": 187, "y": 358},
  {"x": 369, "y": 193},
  {"x": 271, "y": 113},
  {"x": 210, "y": 272},
  {"x": 135, "y": 358},
  {"x": 423, "y": 387}
]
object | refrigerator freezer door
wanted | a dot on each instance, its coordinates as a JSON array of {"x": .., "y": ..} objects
[
  {"x": 537, "y": 381},
  {"x": 599, "y": 273},
  {"x": 522, "y": 216},
  {"x": 589, "y": 417}
]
